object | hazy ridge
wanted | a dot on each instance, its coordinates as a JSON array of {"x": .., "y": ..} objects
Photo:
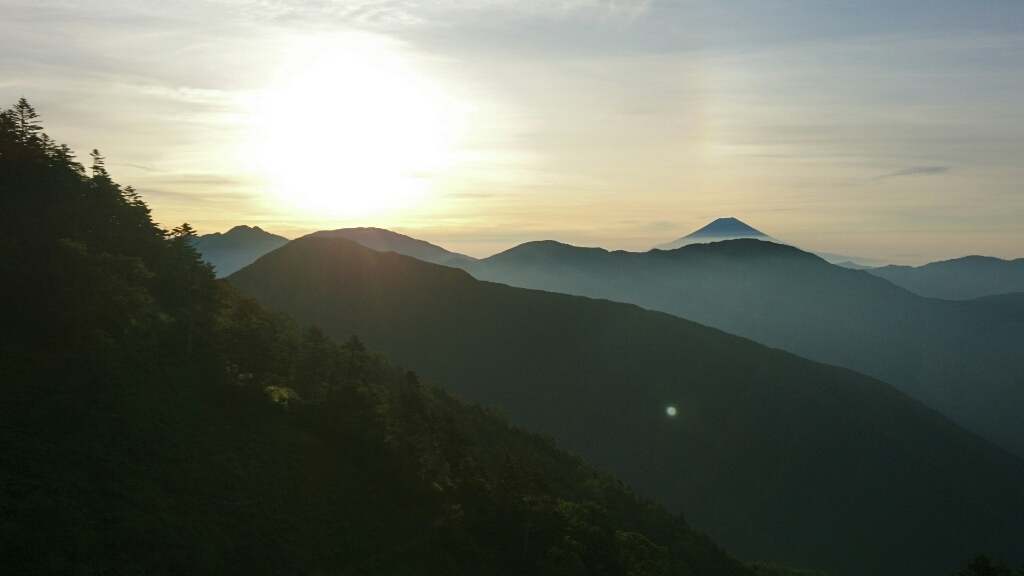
[{"x": 958, "y": 357}]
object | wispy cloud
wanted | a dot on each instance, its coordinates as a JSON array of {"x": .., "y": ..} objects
[{"x": 915, "y": 171}]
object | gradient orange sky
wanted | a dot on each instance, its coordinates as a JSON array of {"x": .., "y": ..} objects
[{"x": 889, "y": 130}]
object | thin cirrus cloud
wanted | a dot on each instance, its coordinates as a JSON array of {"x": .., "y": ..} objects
[
  {"x": 916, "y": 171},
  {"x": 587, "y": 121}
]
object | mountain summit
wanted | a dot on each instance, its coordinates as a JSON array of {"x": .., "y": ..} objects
[
  {"x": 237, "y": 247},
  {"x": 720, "y": 229},
  {"x": 382, "y": 240}
]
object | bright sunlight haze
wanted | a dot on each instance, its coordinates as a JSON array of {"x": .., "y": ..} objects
[{"x": 349, "y": 130}]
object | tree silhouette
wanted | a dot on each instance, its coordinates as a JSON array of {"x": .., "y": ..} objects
[
  {"x": 99, "y": 169},
  {"x": 26, "y": 120},
  {"x": 982, "y": 566}
]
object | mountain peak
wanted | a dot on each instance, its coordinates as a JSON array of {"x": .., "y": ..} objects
[
  {"x": 728, "y": 228},
  {"x": 243, "y": 229},
  {"x": 238, "y": 247},
  {"x": 383, "y": 240}
]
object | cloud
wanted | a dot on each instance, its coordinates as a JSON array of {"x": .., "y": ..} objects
[{"x": 915, "y": 170}]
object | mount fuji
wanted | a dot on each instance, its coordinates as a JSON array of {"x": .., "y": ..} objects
[
  {"x": 733, "y": 229},
  {"x": 720, "y": 229}
]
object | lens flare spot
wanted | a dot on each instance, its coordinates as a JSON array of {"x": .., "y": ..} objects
[{"x": 671, "y": 411}]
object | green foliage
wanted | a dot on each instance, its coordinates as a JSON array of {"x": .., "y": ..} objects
[
  {"x": 153, "y": 420},
  {"x": 81, "y": 255}
]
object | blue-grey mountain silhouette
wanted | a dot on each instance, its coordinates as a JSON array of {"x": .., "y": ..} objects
[
  {"x": 733, "y": 229},
  {"x": 959, "y": 279},
  {"x": 965, "y": 359},
  {"x": 236, "y": 248},
  {"x": 720, "y": 229}
]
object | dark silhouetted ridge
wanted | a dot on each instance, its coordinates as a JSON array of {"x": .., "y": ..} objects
[{"x": 383, "y": 240}]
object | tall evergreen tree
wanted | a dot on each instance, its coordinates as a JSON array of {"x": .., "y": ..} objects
[{"x": 26, "y": 120}]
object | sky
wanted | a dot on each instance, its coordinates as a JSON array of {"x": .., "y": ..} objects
[{"x": 888, "y": 130}]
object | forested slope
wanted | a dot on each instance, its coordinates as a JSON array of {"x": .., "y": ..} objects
[{"x": 154, "y": 421}]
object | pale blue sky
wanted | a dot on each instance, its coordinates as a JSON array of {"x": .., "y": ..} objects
[{"x": 892, "y": 130}]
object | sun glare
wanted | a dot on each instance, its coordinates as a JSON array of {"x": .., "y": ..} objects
[{"x": 350, "y": 129}]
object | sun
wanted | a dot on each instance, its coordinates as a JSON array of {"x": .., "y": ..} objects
[{"x": 350, "y": 129}]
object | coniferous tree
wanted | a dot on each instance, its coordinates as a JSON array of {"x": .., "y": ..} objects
[{"x": 26, "y": 121}]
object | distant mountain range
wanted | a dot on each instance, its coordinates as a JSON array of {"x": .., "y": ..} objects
[
  {"x": 960, "y": 279},
  {"x": 236, "y": 248},
  {"x": 966, "y": 359},
  {"x": 242, "y": 245},
  {"x": 777, "y": 457}
]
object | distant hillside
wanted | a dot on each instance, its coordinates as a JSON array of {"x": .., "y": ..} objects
[
  {"x": 383, "y": 240},
  {"x": 777, "y": 457},
  {"x": 960, "y": 279},
  {"x": 236, "y": 248},
  {"x": 965, "y": 362}
]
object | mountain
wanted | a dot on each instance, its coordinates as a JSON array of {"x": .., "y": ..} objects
[
  {"x": 236, "y": 248},
  {"x": 383, "y": 240},
  {"x": 776, "y": 457},
  {"x": 733, "y": 229},
  {"x": 961, "y": 358},
  {"x": 959, "y": 279},
  {"x": 155, "y": 421},
  {"x": 720, "y": 229},
  {"x": 242, "y": 245}
]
